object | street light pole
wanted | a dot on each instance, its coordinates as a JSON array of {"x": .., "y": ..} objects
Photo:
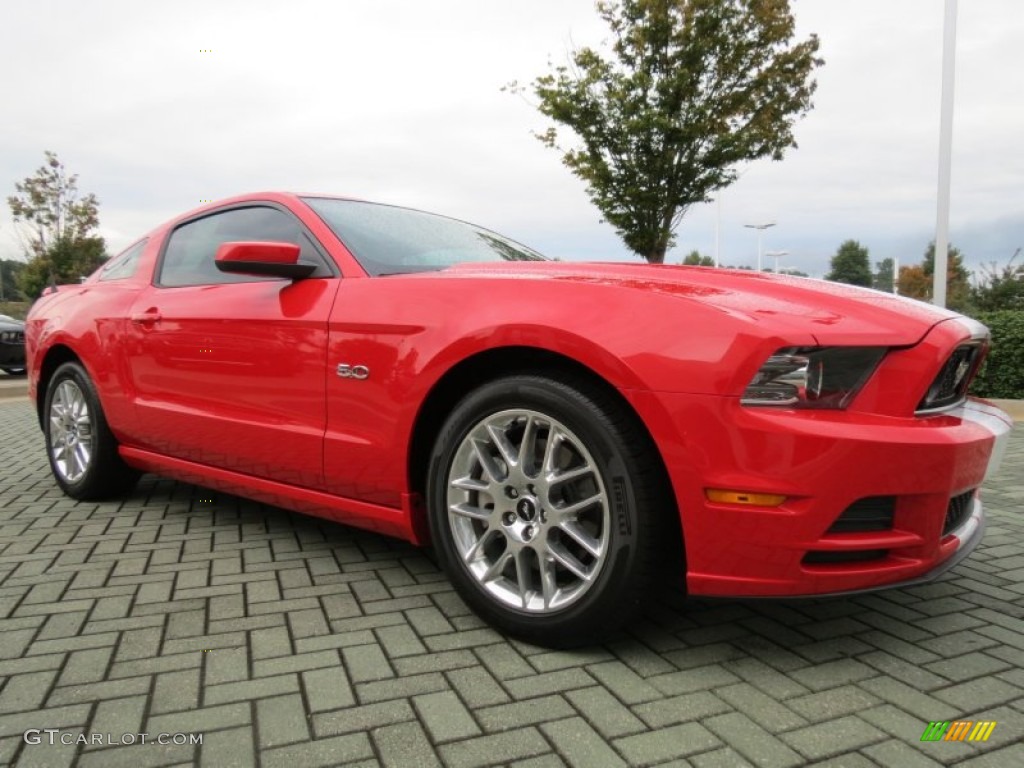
[
  {"x": 760, "y": 230},
  {"x": 718, "y": 229},
  {"x": 776, "y": 255},
  {"x": 945, "y": 155}
]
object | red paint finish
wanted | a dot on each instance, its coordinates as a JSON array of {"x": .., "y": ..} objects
[{"x": 254, "y": 387}]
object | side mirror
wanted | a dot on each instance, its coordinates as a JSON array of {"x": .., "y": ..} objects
[{"x": 263, "y": 259}]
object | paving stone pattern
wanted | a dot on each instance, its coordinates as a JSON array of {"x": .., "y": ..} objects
[{"x": 288, "y": 641}]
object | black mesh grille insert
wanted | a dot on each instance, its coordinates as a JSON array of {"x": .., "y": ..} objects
[
  {"x": 950, "y": 386},
  {"x": 872, "y": 513},
  {"x": 958, "y": 511}
]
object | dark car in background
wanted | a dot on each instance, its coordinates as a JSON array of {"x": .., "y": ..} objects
[{"x": 12, "y": 345}]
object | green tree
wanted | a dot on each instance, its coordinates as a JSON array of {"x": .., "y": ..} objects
[
  {"x": 689, "y": 89},
  {"x": 695, "y": 259},
  {"x": 66, "y": 261},
  {"x": 1000, "y": 288},
  {"x": 9, "y": 271},
  {"x": 958, "y": 279},
  {"x": 60, "y": 244},
  {"x": 885, "y": 277},
  {"x": 851, "y": 265}
]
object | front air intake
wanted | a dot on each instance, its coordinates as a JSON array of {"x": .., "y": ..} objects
[
  {"x": 958, "y": 510},
  {"x": 872, "y": 513}
]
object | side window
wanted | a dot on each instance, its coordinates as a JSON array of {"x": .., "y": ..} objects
[
  {"x": 124, "y": 264},
  {"x": 189, "y": 256}
]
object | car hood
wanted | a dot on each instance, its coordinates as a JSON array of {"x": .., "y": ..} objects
[{"x": 832, "y": 312}]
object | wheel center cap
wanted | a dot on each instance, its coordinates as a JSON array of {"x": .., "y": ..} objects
[{"x": 526, "y": 508}]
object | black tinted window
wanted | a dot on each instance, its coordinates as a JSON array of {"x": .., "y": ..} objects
[
  {"x": 124, "y": 264},
  {"x": 189, "y": 256},
  {"x": 389, "y": 240}
]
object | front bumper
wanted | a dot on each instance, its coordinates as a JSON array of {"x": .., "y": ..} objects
[
  {"x": 12, "y": 355},
  {"x": 822, "y": 462}
]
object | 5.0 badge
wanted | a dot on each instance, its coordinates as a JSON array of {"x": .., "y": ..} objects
[{"x": 347, "y": 371}]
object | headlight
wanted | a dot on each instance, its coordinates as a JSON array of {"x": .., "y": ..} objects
[
  {"x": 8, "y": 337},
  {"x": 812, "y": 377}
]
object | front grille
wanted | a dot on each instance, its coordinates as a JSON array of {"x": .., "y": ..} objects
[
  {"x": 958, "y": 511},
  {"x": 830, "y": 557},
  {"x": 872, "y": 513},
  {"x": 950, "y": 386}
]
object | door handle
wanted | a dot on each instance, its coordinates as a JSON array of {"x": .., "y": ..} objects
[{"x": 149, "y": 317}]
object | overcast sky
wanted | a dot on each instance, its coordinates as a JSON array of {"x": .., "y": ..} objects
[{"x": 157, "y": 106}]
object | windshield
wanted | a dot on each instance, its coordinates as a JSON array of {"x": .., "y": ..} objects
[{"x": 388, "y": 241}]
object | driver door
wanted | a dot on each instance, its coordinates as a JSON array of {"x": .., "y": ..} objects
[{"x": 229, "y": 370}]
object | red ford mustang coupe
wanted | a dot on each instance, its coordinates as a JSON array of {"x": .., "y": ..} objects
[{"x": 554, "y": 429}]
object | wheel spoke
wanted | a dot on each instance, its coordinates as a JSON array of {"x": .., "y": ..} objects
[
  {"x": 474, "y": 552},
  {"x": 565, "y": 475},
  {"x": 554, "y": 440},
  {"x": 495, "y": 569},
  {"x": 581, "y": 537},
  {"x": 570, "y": 563},
  {"x": 470, "y": 484},
  {"x": 528, "y": 446},
  {"x": 572, "y": 511},
  {"x": 487, "y": 461},
  {"x": 548, "y": 584},
  {"x": 523, "y": 575},
  {"x": 499, "y": 436},
  {"x": 84, "y": 450},
  {"x": 468, "y": 510}
]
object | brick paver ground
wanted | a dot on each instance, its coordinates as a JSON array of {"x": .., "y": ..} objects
[{"x": 289, "y": 641}]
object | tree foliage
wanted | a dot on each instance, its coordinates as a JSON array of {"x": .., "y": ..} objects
[
  {"x": 9, "y": 271},
  {"x": 913, "y": 282},
  {"x": 958, "y": 278},
  {"x": 60, "y": 245},
  {"x": 689, "y": 89},
  {"x": 1000, "y": 287},
  {"x": 918, "y": 281},
  {"x": 885, "y": 277},
  {"x": 66, "y": 261},
  {"x": 851, "y": 265},
  {"x": 696, "y": 259}
]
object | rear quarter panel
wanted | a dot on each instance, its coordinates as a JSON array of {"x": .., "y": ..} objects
[{"x": 91, "y": 321}]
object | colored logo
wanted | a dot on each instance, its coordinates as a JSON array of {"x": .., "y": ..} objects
[{"x": 958, "y": 730}]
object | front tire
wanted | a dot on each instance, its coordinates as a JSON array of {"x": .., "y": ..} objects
[
  {"x": 81, "y": 449},
  {"x": 547, "y": 508}
]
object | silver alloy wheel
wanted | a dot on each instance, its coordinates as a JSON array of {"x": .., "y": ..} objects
[
  {"x": 528, "y": 510},
  {"x": 70, "y": 431}
]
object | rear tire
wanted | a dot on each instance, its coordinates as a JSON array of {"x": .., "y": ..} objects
[
  {"x": 548, "y": 508},
  {"x": 81, "y": 449}
]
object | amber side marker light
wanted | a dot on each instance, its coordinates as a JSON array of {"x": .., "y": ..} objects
[{"x": 723, "y": 496}]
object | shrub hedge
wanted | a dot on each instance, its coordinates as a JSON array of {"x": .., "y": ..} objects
[{"x": 1003, "y": 373}]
